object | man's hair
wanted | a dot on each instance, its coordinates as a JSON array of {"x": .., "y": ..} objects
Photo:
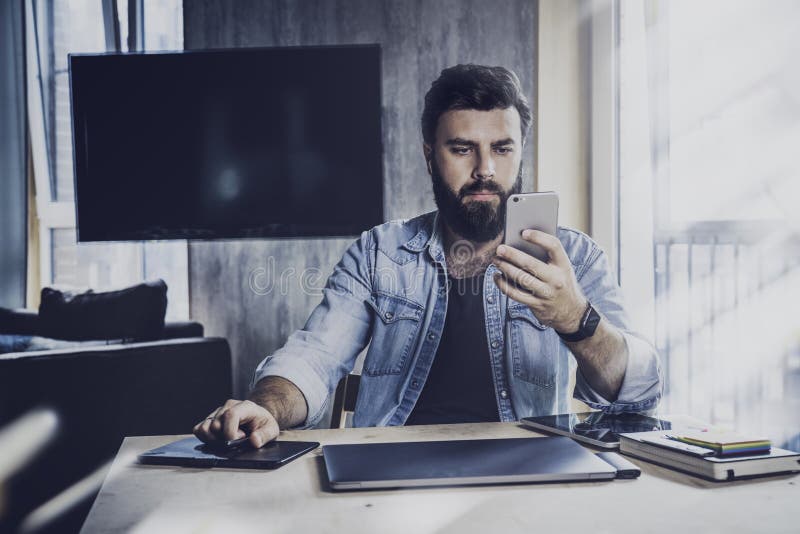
[{"x": 473, "y": 87}]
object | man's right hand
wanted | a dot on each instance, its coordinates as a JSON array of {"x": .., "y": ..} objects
[{"x": 236, "y": 419}]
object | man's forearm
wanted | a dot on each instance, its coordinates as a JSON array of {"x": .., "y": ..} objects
[
  {"x": 282, "y": 399},
  {"x": 602, "y": 359}
]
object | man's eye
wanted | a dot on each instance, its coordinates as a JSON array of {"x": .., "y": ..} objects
[
  {"x": 461, "y": 150},
  {"x": 503, "y": 150}
]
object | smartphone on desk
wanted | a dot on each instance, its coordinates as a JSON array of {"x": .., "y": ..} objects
[{"x": 537, "y": 211}]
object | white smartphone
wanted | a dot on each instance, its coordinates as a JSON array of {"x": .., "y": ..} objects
[{"x": 537, "y": 211}]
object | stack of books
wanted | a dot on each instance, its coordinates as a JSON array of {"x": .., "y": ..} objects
[{"x": 714, "y": 456}]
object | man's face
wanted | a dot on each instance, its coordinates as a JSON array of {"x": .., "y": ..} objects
[{"x": 475, "y": 164}]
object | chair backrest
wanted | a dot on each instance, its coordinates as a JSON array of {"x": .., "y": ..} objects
[{"x": 344, "y": 400}]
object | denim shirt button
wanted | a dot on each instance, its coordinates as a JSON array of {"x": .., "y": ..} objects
[
  {"x": 415, "y": 384},
  {"x": 431, "y": 336},
  {"x": 388, "y": 315},
  {"x": 490, "y": 299},
  {"x": 495, "y": 344},
  {"x": 503, "y": 394}
]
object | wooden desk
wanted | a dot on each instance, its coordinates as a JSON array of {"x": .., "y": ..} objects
[{"x": 295, "y": 499}]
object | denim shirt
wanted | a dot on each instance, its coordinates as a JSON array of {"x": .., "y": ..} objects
[{"x": 390, "y": 291}]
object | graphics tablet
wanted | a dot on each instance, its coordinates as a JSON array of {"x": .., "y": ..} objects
[
  {"x": 192, "y": 452},
  {"x": 596, "y": 428},
  {"x": 462, "y": 462}
]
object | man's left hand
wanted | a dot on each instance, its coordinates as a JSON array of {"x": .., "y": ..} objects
[{"x": 550, "y": 289}]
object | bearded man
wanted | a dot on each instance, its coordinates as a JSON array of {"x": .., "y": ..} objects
[{"x": 460, "y": 328}]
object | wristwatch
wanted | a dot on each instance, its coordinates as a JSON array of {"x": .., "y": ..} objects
[{"x": 588, "y": 325}]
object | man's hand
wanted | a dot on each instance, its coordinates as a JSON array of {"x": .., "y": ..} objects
[
  {"x": 276, "y": 403},
  {"x": 237, "y": 419},
  {"x": 550, "y": 290}
]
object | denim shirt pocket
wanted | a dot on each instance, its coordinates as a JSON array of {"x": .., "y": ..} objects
[
  {"x": 394, "y": 332},
  {"x": 534, "y": 348}
]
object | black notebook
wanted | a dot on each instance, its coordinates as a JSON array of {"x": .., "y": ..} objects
[{"x": 655, "y": 448}]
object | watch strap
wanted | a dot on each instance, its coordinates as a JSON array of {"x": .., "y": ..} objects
[{"x": 588, "y": 325}]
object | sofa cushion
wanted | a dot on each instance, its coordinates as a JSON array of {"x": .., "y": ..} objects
[
  {"x": 15, "y": 343},
  {"x": 135, "y": 313}
]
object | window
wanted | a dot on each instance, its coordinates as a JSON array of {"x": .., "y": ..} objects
[
  {"x": 56, "y": 29},
  {"x": 710, "y": 241}
]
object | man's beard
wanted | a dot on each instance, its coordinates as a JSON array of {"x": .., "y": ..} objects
[{"x": 477, "y": 221}]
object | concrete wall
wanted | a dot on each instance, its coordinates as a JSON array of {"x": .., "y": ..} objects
[{"x": 419, "y": 38}]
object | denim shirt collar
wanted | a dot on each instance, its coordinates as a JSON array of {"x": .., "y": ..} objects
[{"x": 429, "y": 236}]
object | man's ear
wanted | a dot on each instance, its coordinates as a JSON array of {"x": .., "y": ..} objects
[{"x": 428, "y": 152}]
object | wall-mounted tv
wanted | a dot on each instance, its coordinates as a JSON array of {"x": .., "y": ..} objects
[{"x": 249, "y": 142}]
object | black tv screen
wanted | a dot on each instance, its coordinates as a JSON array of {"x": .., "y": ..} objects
[{"x": 278, "y": 142}]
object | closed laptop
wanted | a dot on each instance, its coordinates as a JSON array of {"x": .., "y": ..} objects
[{"x": 481, "y": 461}]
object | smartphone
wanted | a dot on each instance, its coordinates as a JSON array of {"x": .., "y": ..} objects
[{"x": 537, "y": 211}]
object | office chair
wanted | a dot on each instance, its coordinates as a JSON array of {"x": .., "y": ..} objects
[{"x": 344, "y": 400}]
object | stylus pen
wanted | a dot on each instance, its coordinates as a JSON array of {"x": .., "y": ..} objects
[{"x": 231, "y": 443}]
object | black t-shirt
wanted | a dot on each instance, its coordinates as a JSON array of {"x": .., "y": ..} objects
[{"x": 460, "y": 388}]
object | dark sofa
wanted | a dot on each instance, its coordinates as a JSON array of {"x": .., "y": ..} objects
[{"x": 103, "y": 393}]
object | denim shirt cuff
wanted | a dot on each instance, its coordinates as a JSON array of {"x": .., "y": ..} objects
[
  {"x": 302, "y": 375},
  {"x": 641, "y": 385}
]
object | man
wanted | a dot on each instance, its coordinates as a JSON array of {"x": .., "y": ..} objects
[{"x": 460, "y": 328}]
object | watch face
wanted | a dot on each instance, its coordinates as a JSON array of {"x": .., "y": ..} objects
[
  {"x": 592, "y": 320},
  {"x": 589, "y": 322}
]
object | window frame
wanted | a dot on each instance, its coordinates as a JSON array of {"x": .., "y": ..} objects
[{"x": 54, "y": 214}]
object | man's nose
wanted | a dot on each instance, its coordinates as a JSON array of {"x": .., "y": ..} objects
[{"x": 484, "y": 168}]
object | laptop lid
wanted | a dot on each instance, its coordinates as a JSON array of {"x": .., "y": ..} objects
[{"x": 480, "y": 461}]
